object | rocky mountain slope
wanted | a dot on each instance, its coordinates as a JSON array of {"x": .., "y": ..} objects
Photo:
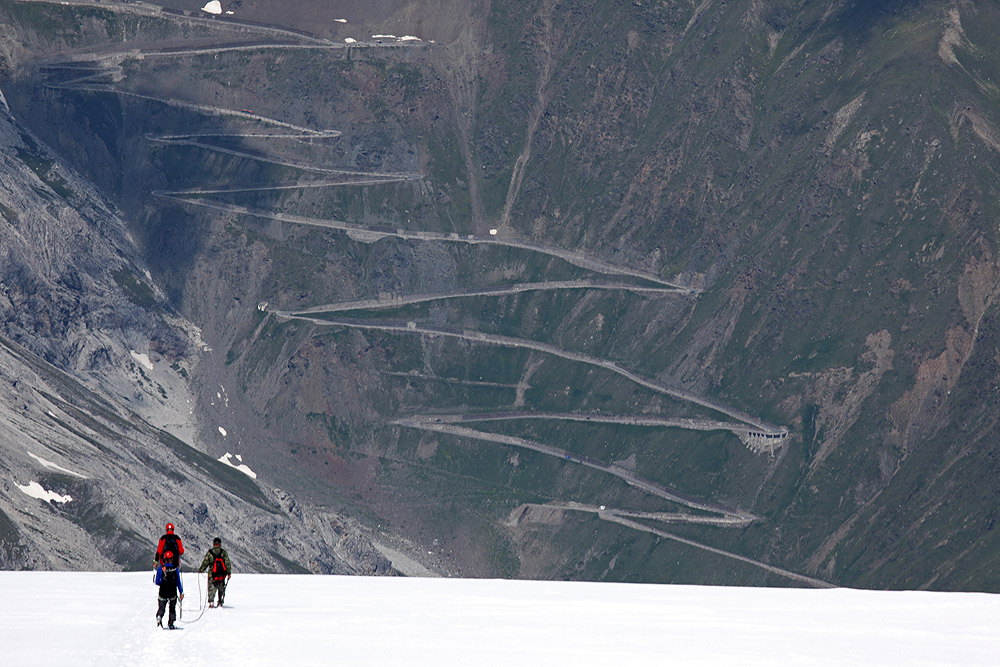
[
  {"x": 94, "y": 365},
  {"x": 661, "y": 291}
]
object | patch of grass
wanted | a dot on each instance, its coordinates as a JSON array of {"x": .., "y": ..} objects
[
  {"x": 138, "y": 291},
  {"x": 43, "y": 169},
  {"x": 337, "y": 429}
]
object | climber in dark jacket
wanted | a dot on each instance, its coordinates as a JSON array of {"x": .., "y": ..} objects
[{"x": 168, "y": 578}]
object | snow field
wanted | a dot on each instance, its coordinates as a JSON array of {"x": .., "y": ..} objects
[{"x": 107, "y": 619}]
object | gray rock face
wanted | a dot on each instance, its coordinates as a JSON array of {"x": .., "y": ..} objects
[{"x": 95, "y": 403}]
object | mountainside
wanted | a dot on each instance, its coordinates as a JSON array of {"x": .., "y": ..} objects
[
  {"x": 94, "y": 365},
  {"x": 660, "y": 291}
]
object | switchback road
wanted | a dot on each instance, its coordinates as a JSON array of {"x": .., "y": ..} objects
[
  {"x": 768, "y": 430},
  {"x": 630, "y": 478},
  {"x": 103, "y": 73}
]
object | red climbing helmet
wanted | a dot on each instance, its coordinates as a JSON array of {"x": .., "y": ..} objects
[
  {"x": 170, "y": 527},
  {"x": 168, "y": 557}
]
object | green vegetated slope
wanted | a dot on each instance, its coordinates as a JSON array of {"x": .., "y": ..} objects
[
  {"x": 824, "y": 172},
  {"x": 827, "y": 173}
]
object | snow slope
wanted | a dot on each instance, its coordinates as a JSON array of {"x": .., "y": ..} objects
[{"x": 104, "y": 619}]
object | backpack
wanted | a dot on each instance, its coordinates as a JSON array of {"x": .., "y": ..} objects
[
  {"x": 219, "y": 571},
  {"x": 170, "y": 544},
  {"x": 168, "y": 582}
]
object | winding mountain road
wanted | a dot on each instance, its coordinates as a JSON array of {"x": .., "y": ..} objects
[
  {"x": 396, "y": 301},
  {"x": 596, "y": 418},
  {"x": 370, "y": 234},
  {"x": 428, "y": 424},
  {"x": 769, "y": 430},
  {"x": 103, "y": 72}
]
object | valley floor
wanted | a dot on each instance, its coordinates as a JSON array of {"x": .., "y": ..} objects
[{"x": 108, "y": 619}]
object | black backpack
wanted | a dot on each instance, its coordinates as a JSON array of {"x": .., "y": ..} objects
[
  {"x": 168, "y": 582},
  {"x": 170, "y": 544},
  {"x": 219, "y": 570}
]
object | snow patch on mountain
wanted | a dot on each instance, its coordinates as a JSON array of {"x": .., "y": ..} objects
[
  {"x": 55, "y": 466},
  {"x": 242, "y": 467},
  {"x": 36, "y": 490},
  {"x": 142, "y": 359}
]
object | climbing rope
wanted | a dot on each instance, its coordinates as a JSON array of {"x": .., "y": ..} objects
[{"x": 201, "y": 606}]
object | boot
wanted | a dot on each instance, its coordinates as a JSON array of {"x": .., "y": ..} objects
[{"x": 159, "y": 621}]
